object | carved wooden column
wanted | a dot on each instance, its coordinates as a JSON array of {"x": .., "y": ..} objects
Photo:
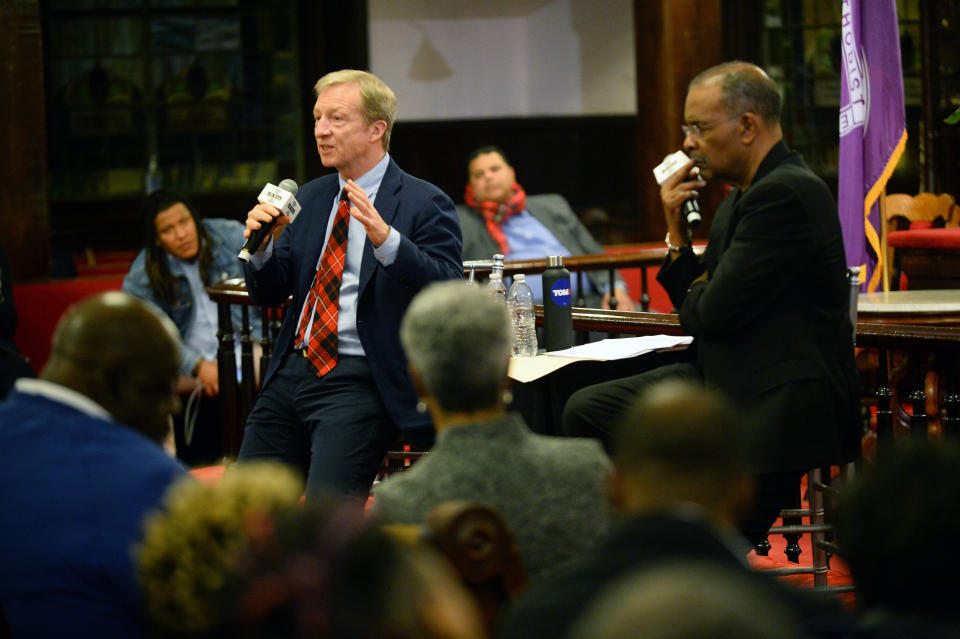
[
  {"x": 23, "y": 163},
  {"x": 675, "y": 40}
]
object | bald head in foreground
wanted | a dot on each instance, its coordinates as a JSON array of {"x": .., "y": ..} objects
[
  {"x": 81, "y": 465},
  {"x": 680, "y": 484}
]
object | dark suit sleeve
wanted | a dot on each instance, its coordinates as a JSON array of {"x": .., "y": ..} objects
[
  {"x": 774, "y": 236},
  {"x": 272, "y": 284},
  {"x": 676, "y": 275},
  {"x": 430, "y": 244}
]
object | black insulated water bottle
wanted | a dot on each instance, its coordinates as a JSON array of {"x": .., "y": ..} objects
[{"x": 557, "y": 298}]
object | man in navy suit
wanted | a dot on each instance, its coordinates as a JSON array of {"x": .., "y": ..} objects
[{"x": 330, "y": 404}]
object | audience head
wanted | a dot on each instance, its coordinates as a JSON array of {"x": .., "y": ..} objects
[
  {"x": 377, "y": 101},
  {"x": 681, "y": 442},
  {"x": 170, "y": 227},
  {"x": 383, "y": 587},
  {"x": 189, "y": 545},
  {"x": 732, "y": 115},
  {"x": 457, "y": 340},
  {"x": 122, "y": 355},
  {"x": 889, "y": 514},
  {"x": 242, "y": 557},
  {"x": 686, "y": 600},
  {"x": 490, "y": 175}
]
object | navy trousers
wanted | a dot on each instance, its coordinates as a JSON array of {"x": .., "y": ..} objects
[{"x": 333, "y": 429}]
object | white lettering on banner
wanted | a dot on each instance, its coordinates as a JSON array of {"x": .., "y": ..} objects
[{"x": 854, "y": 114}]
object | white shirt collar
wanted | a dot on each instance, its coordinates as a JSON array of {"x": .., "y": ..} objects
[{"x": 62, "y": 395}]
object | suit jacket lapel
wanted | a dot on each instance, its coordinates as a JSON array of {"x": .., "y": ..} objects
[
  {"x": 386, "y": 203},
  {"x": 725, "y": 223}
]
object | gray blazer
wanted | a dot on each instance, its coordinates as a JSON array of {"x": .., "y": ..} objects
[
  {"x": 553, "y": 211},
  {"x": 550, "y": 490}
]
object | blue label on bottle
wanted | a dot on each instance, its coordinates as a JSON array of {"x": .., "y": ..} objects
[{"x": 560, "y": 292}]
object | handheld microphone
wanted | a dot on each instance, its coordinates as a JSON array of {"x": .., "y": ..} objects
[
  {"x": 670, "y": 165},
  {"x": 691, "y": 210},
  {"x": 284, "y": 198}
]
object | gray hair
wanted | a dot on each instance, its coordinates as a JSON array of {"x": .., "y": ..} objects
[
  {"x": 457, "y": 336},
  {"x": 746, "y": 88}
]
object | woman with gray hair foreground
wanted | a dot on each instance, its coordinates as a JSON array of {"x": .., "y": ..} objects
[{"x": 549, "y": 490}]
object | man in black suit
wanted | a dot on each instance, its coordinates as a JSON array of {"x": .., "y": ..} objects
[
  {"x": 768, "y": 300},
  {"x": 680, "y": 483}
]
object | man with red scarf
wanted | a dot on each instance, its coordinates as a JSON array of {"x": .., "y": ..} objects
[{"x": 499, "y": 217}]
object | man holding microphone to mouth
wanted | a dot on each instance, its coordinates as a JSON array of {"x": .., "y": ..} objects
[{"x": 768, "y": 300}]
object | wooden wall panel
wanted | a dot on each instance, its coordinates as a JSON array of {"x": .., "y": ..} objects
[
  {"x": 23, "y": 200},
  {"x": 675, "y": 40}
]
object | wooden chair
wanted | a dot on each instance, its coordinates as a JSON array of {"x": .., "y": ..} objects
[
  {"x": 904, "y": 209},
  {"x": 478, "y": 544},
  {"x": 400, "y": 456},
  {"x": 922, "y": 228}
]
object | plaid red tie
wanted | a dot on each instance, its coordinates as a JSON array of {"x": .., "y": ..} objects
[{"x": 323, "y": 300}]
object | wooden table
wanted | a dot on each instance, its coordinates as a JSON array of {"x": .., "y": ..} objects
[{"x": 939, "y": 307}]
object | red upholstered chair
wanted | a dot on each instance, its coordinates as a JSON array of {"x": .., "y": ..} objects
[{"x": 923, "y": 239}]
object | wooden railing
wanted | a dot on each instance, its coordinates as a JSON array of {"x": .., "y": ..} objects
[
  {"x": 640, "y": 256},
  {"x": 886, "y": 336}
]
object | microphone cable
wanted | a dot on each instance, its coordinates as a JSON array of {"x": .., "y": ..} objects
[{"x": 190, "y": 413}]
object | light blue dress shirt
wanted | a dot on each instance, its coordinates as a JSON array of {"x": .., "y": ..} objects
[
  {"x": 202, "y": 334},
  {"x": 347, "y": 336},
  {"x": 529, "y": 239}
]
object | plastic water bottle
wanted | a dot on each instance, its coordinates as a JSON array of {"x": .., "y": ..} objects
[
  {"x": 520, "y": 305},
  {"x": 557, "y": 319},
  {"x": 495, "y": 285}
]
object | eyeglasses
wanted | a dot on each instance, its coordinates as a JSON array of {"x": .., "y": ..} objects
[{"x": 697, "y": 130}]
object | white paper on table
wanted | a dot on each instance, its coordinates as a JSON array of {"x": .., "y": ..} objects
[
  {"x": 527, "y": 369},
  {"x": 624, "y": 347}
]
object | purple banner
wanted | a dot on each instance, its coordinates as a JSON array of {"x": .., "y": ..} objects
[{"x": 872, "y": 127}]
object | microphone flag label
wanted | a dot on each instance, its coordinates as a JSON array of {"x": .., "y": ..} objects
[
  {"x": 280, "y": 198},
  {"x": 560, "y": 292},
  {"x": 670, "y": 165}
]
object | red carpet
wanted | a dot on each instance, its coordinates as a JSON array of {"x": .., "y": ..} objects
[
  {"x": 208, "y": 474},
  {"x": 838, "y": 575}
]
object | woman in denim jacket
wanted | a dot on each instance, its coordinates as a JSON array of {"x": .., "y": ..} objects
[{"x": 181, "y": 256}]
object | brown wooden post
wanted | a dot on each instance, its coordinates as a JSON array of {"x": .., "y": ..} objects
[
  {"x": 23, "y": 147},
  {"x": 675, "y": 40}
]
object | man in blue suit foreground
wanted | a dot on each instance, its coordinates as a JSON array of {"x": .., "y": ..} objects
[
  {"x": 81, "y": 465},
  {"x": 365, "y": 242}
]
